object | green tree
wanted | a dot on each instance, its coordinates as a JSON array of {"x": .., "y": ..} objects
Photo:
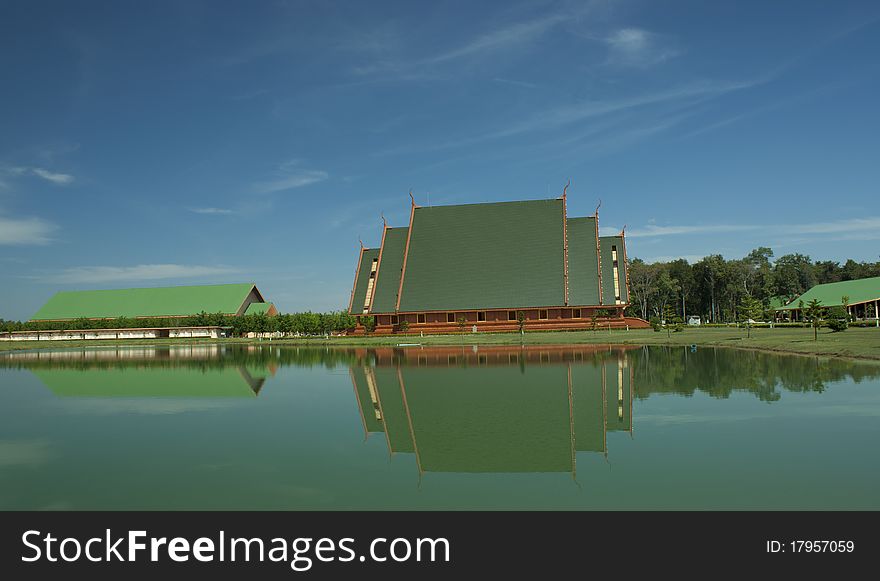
[
  {"x": 813, "y": 313},
  {"x": 403, "y": 326},
  {"x": 521, "y": 322},
  {"x": 462, "y": 324},
  {"x": 369, "y": 323},
  {"x": 750, "y": 309}
]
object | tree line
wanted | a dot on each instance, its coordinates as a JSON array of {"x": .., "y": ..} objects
[
  {"x": 307, "y": 323},
  {"x": 715, "y": 288}
]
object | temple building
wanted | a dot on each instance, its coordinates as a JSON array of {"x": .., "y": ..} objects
[{"x": 480, "y": 265}]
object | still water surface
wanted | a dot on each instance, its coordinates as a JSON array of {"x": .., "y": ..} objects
[{"x": 587, "y": 427}]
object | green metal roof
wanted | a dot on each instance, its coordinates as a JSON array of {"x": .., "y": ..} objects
[
  {"x": 583, "y": 263},
  {"x": 257, "y": 308},
  {"x": 484, "y": 256},
  {"x": 605, "y": 244},
  {"x": 145, "y": 302},
  {"x": 388, "y": 283},
  {"x": 778, "y": 302},
  {"x": 363, "y": 278},
  {"x": 831, "y": 294}
]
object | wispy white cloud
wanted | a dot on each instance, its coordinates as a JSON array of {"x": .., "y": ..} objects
[
  {"x": 56, "y": 178},
  {"x": 496, "y": 41},
  {"x": 141, "y": 272},
  {"x": 637, "y": 47},
  {"x": 25, "y": 231},
  {"x": 867, "y": 228},
  {"x": 61, "y": 179},
  {"x": 288, "y": 176},
  {"x": 515, "y": 83},
  {"x": 209, "y": 211}
]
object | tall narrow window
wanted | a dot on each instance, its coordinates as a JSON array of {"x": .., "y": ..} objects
[
  {"x": 542, "y": 314},
  {"x": 450, "y": 317},
  {"x": 370, "y": 284},
  {"x": 511, "y": 315},
  {"x": 395, "y": 319},
  {"x": 481, "y": 316},
  {"x": 614, "y": 264},
  {"x": 576, "y": 314},
  {"x": 421, "y": 317}
]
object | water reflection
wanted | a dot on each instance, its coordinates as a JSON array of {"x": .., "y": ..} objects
[{"x": 495, "y": 409}]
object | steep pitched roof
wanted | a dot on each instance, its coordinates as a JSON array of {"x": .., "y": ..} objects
[
  {"x": 482, "y": 256},
  {"x": 583, "y": 262},
  {"x": 605, "y": 244},
  {"x": 830, "y": 294},
  {"x": 363, "y": 278},
  {"x": 257, "y": 308},
  {"x": 388, "y": 283},
  {"x": 145, "y": 302}
]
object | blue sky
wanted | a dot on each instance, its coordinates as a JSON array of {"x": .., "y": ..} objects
[{"x": 145, "y": 144}]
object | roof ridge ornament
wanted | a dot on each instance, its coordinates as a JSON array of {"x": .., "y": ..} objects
[
  {"x": 361, "y": 242},
  {"x": 623, "y": 231},
  {"x": 565, "y": 189},
  {"x": 596, "y": 213},
  {"x": 411, "y": 198},
  {"x": 384, "y": 222}
]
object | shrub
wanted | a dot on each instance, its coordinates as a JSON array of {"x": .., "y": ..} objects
[{"x": 656, "y": 324}]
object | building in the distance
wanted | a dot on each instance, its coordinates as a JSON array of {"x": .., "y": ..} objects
[
  {"x": 482, "y": 264},
  {"x": 59, "y": 318},
  {"x": 862, "y": 298}
]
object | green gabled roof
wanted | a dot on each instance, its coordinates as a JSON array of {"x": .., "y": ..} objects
[
  {"x": 390, "y": 265},
  {"x": 605, "y": 244},
  {"x": 363, "y": 278},
  {"x": 830, "y": 294},
  {"x": 583, "y": 262},
  {"x": 145, "y": 302},
  {"x": 483, "y": 256},
  {"x": 258, "y": 308},
  {"x": 778, "y": 302},
  {"x": 393, "y": 408}
]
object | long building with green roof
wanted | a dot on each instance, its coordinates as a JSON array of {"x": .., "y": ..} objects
[
  {"x": 484, "y": 264},
  {"x": 862, "y": 297},
  {"x": 161, "y": 302}
]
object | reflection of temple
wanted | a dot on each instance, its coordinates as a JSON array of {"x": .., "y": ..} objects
[
  {"x": 189, "y": 371},
  {"x": 495, "y": 409}
]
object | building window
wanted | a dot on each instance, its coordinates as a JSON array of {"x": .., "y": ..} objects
[
  {"x": 576, "y": 314},
  {"x": 511, "y": 315},
  {"x": 481, "y": 316},
  {"x": 614, "y": 264},
  {"x": 394, "y": 319},
  {"x": 450, "y": 317},
  {"x": 542, "y": 314},
  {"x": 420, "y": 317}
]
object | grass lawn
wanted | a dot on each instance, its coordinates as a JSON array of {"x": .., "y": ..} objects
[{"x": 860, "y": 343}]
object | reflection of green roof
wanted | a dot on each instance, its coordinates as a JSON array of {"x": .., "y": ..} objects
[
  {"x": 146, "y": 382},
  {"x": 475, "y": 256},
  {"x": 388, "y": 282},
  {"x": 145, "y": 302},
  {"x": 830, "y": 294},
  {"x": 393, "y": 410},
  {"x": 368, "y": 408},
  {"x": 496, "y": 419},
  {"x": 589, "y": 408},
  {"x": 258, "y": 308},
  {"x": 618, "y": 397}
]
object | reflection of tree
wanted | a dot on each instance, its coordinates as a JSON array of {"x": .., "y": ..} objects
[{"x": 719, "y": 372}]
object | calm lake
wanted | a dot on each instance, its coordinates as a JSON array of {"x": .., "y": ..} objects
[{"x": 568, "y": 427}]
